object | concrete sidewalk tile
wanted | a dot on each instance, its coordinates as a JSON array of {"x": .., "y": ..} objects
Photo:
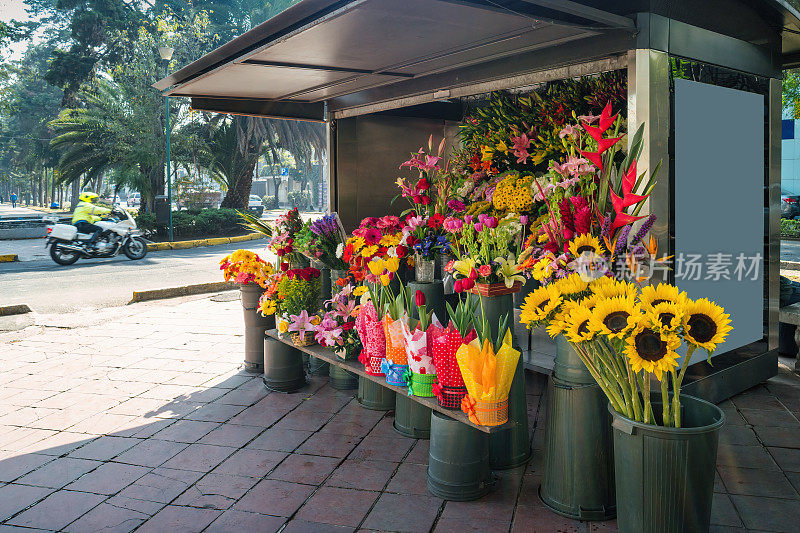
[
  {"x": 233, "y": 521},
  {"x": 787, "y": 458},
  {"x": 14, "y": 498},
  {"x": 215, "y": 412},
  {"x": 745, "y": 456},
  {"x": 420, "y": 454},
  {"x": 187, "y": 431},
  {"x": 109, "y": 519},
  {"x": 403, "y": 512},
  {"x": 794, "y": 479},
  {"x": 175, "y": 518},
  {"x": 109, "y": 478},
  {"x": 723, "y": 513},
  {"x": 757, "y": 417},
  {"x": 339, "y": 507},
  {"x": 15, "y": 466},
  {"x": 161, "y": 485},
  {"x": 258, "y": 416},
  {"x": 755, "y": 482},
  {"x": 274, "y": 497},
  {"x": 740, "y": 435},
  {"x": 216, "y": 491},
  {"x": 57, "y": 510},
  {"x": 244, "y": 395},
  {"x": 767, "y": 514},
  {"x": 142, "y": 428},
  {"x": 60, "y": 472},
  {"x": 252, "y": 463},
  {"x": 58, "y": 444},
  {"x": 277, "y": 440},
  {"x": 151, "y": 452},
  {"x": 101, "y": 424},
  {"x": 410, "y": 478},
  {"x": 782, "y": 437},
  {"x": 309, "y": 469},
  {"x": 104, "y": 448},
  {"x": 382, "y": 449},
  {"x": 362, "y": 475},
  {"x": 199, "y": 457},
  {"x": 329, "y": 444}
]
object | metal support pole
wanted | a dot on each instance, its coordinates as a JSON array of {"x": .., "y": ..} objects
[{"x": 168, "y": 174}]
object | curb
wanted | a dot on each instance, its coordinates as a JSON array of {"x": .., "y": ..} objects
[
  {"x": 186, "y": 290},
  {"x": 183, "y": 245},
  {"x": 8, "y": 258},
  {"x": 790, "y": 265},
  {"x": 9, "y": 310}
]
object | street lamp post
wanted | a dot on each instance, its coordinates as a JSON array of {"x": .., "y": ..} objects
[{"x": 166, "y": 54}]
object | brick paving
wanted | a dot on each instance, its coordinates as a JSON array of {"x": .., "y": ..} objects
[{"x": 148, "y": 424}]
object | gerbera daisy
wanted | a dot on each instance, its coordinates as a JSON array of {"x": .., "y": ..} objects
[
  {"x": 652, "y": 351},
  {"x": 663, "y": 292},
  {"x": 540, "y": 304},
  {"x": 571, "y": 285},
  {"x": 614, "y": 317},
  {"x": 705, "y": 324},
  {"x": 668, "y": 314},
  {"x": 577, "y": 325},
  {"x": 585, "y": 243}
]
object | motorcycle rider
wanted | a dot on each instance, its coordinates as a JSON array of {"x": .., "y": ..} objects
[{"x": 86, "y": 214}]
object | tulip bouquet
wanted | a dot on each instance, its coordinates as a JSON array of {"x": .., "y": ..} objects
[
  {"x": 443, "y": 344},
  {"x": 627, "y": 337},
  {"x": 421, "y": 370},
  {"x": 375, "y": 238},
  {"x": 244, "y": 266}
]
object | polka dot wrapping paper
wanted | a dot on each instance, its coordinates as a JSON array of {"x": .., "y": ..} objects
[
  {"x": 370, "y": 331},
  {"x": 444, "y": 343},
  {"x": 395, "y": 343}
]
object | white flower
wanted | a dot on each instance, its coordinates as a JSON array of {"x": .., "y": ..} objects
[
  {"x": 339, "y": 250},
  {"x": 391, "y": 252}
]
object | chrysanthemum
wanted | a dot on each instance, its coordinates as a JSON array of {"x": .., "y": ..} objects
[
  {"x": 668, "y": 314},
  {"x": 539, "y": 304},
  {"x": 663, "y": 292},
  {"x": 652, "y": 351},
  {"x": 614, "y": 317},
  {"x": 585, "y": 243},
  {"x": 571, "y": 285},
  {"x": 705, "y": 324},
  {"x": 577, "y": 325}
]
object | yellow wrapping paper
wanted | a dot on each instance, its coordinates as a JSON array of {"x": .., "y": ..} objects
[{"x": 487, "y": 375}]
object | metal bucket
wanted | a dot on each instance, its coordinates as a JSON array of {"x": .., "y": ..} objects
[
  {"x": 458, "y": 464},
  {"x": 510, "y": 448},
  {"x": 434, "y": 298},
  {"x": 373, "y": 396},
  {"x": 341, "y": 379},
  {"x": 254, "y": 327},
  {"x": 411, "y": 419},
  {"x": 283, "y": 366}
]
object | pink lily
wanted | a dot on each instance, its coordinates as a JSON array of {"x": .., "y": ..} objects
[{"x": 301, "y": 323}]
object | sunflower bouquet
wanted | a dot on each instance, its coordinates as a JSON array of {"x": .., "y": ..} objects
[
  {"x": 626, "y": 336},
  {"x": 244, "y": 266}
]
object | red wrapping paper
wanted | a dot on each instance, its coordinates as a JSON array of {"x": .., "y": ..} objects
[{"x": 370, "y": 331}]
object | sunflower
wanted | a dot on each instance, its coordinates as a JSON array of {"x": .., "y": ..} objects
[
  {"x": 668, "y": 314},
  {"x": 652, "y": 351},
  {"x": 589, "y": 302},
  {"x": 558, "y": 324},
  {"x": 606, "y": 287},
  {"x": 577, "y": 325},
  {"x": 705, "y": 324},
  {"x": 614, "y": 317},
  {"x": 540, "y": 304},
  {"x": 571, "y": 285},
  {"x": 663, "y": 292},
  {"x": 585, "y": 243}
]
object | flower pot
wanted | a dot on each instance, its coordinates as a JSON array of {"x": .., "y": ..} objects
[
  {"x": 254, "y": 327},
  {"x": 395, "y": 374},
  {"x": 341, "y": 379},
  {"x": 411, "y": 419},
  {"x": 485, "y": 413},
  {"x": 425, "y": 269},
  {"x": 665, "y": 476},
  {"x": 283, "y": 366},
  {"x": 434, "y": 298},
  {"x": 495, "y": 289},
  {"x": 578, "y": 477},
  {"x": 458, "y": 461},
  {"x": 374, "y": 396},
  {"x": 447, "y": 396}
]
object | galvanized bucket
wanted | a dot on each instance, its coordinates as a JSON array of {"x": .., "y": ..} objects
[
  {"x": 411, "y": 419},
  {"x": 373, "y": 396},
  {"x": 341, "y": 379},
  {"x": 458, "y": 463},
  {"x": 283, "y": 366},
  {"x": 254, "y": 327}
]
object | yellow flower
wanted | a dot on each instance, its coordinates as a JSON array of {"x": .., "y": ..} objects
[
  {"x": 539, "y": 304},
  {"x": 606, "y": 287},
  {"x": 585, "y": 243},
  {"x": 392, "y": 264},
  {"x": 663, "y": 292},
  {"x": 389, "y": 240},
  {"x": 614, "y": 317},
  {"x": 652, "y": 351},
  {"x": 376, "y": 267},
  {"x": 385, "y": 280},
  {"x": 464, "y": 266},
  {"x": 369, "y": 251},
  {"x": 705, "y": 324},
  {"x": 501, "y": 147},
  {"x": 268, "y": 307},
  {"x": 668, "y": 314},
  {"x": 358, "y": 291},
  {"x": 315, "y": 320},
  {"x": 558, "y": 324},
  {"x": 571, "y": 285},
  {"x": 283, "y": 326},
  {"x": 486, "y": 153},
  {"x": 577, "y": 325},
  {"x": 358, "y": 243}
]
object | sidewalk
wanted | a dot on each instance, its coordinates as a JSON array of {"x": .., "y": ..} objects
[
  {"x": 147, "y": 422},
  {"x": 6, "y": 211},
  {"x": 25, "y": 249}
]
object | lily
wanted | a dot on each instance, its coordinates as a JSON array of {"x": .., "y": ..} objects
[
  {"x": 301, "y": 323},
  {"x": 509, "y": 270}
]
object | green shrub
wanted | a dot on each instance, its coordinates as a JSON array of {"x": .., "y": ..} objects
[
  {"x": 270, "y": 202},
  {"x": 300, "y": 200},
  {"x": 146, "y": 222},
  {"x": 790, "y": 228},
  {"x": 191, "y": 223}
]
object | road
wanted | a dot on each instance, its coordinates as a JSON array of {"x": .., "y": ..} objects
[{"x": 100, "y": 283}]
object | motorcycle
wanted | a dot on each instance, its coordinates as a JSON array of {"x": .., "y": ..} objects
[{"x": 119, "y": 234}]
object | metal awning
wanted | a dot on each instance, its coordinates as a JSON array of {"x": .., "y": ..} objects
[{"x": 321, "y": 58}]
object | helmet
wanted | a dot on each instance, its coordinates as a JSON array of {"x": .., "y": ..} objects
[{"x": 88, "y": 197}]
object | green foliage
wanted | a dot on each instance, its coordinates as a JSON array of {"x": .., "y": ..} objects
[
  {"x": 270, "y": 202},
  {"x": 299, "y": 199},
  {"x": 790, "y": 228},
  {"x": 297, "y": 294},
  {"x": 193, "y": 223}
]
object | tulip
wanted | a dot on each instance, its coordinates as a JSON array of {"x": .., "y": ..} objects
[
  {"x": 523, "y": 220},
  {"x": 392, "y": 264},
  {"x": 467, "y": 284},
  {"x": 478, "y": 227},
  {"x": 468, "y": 219},
  {"x": 458, "y": 285},
  {"x": 490, "y": 222},
  {"x": 417, "y": 199},
  {"x": 419, "y": 298},
  {"x": 426, "y": 200},
  {"x": 473, "y": 274},
  {"x": 385, "y": 280}
]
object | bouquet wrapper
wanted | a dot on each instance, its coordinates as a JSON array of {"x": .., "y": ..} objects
[
  {"x": 420, "y": 360},
  {"x": 395, "y": 343},
  {"x": 488, "y": 378},
  {"x": 370, "y": 331},
  {"x": 395, "y": 374},
  {"x": 443, "y": 343}
]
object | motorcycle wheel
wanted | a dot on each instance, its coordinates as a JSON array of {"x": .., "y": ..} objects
[
  {"x": 135, "y": 248},
  {"x": 61, "y": 256}
]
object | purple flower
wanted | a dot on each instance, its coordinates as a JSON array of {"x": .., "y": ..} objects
[
  {"x": 622, "y": 240},
  {"x": 523, "y": 220},
  {"x": 456, "y": 205},
  {"x": 644, "y": 229},
  {"x": 490, "y": 222},
  {"x": 478, "y": 227}
]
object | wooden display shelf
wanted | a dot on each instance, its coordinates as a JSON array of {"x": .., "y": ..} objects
[{"x": 354, "y": 366}]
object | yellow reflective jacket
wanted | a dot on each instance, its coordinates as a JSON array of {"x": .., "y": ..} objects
[{"x": 89, "y": 212}]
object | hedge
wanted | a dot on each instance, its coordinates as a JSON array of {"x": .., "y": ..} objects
[{"x": 194, "y": 223}]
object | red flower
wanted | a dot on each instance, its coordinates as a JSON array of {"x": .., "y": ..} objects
[
  {"x": 436, "y": 221},
  {"x": 485, "y": 270},
  {"x": 458, "y": 285},
  {"x": 284, "y": 267},
  {"x": 411, "y": 241},
  {"x": 467, "y": 283},
  {"x": 419, "y": 298},
  {"x": 417, "y": 199},
  {"x": 372, "y": 236},
  {"x": 423, "y": 185},
  {"x": 426, "y": 200},
  {"x": 401, "y": 250}
]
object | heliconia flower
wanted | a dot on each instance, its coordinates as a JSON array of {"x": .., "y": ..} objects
[
  {"x": 595, "y": 158},
  {"x": 606, "y": 120},
  {"x": 623, "y": 219}
]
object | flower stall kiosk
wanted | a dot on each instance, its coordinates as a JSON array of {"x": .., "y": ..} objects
[{"x": 591, "y": 193}]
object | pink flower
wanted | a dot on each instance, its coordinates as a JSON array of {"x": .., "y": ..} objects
[
  {"x": 485, "y": 270},
  {"x": 453, "y": 225},
  {"x": 372, "y": 236},
  {"x": 478, "y": 227},
  {"x": 301, "y": 323},
  {"x": 520, "y": 146},
  {"x": 414, "y": 222},
  {"x": 588, "y": 119},
  {"x": 468, "y": 219},
  {"x": 456, "y": 205},
  {"x": 570, "y": 130}
]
